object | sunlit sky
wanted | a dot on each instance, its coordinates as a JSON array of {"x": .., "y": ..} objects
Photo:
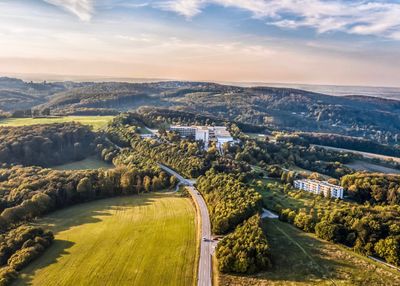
[{"x": 310, "y": 41}]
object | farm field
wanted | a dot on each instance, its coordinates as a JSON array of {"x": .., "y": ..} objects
[
  {"x": 89, "y": 163},
  {"x": 98, "y": 122},
  {"x": 300, "y": 258},
  {"x": 364, "y": 154},
  {"x": 148, "y": 239}
]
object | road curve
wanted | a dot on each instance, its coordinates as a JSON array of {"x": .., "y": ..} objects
[{"x": 205, "y": 261}]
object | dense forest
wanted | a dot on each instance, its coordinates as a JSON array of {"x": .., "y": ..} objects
[
  {"x": 45, "y": 145},
  {"x": 245, "y": 250},
  {"x": 230, "y": 201},
  {"x": 374, "y": 188}
]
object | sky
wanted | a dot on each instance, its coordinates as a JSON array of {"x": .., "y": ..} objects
[{"x": 337, "y": 42}]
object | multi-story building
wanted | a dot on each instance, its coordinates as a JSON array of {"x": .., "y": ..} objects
[
  {"x": 184, "y": 131},
  {"x": 218, "y": 134},
  {"x": 319, "y": 187}
]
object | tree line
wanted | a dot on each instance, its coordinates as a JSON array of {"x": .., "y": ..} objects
[
  {"x": 229, "y": 201},
  {"x": 19, "y": 247},
  {"x": 375, "y": 188},
  {"x": 30, "y": 192}
]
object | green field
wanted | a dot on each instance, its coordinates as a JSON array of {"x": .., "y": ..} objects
[
  {"x": 98, "y": 122},
  {"x": 90, "y": 163},
  {"x": 139, "y": 240},
  {"x": 301, "y": 259}
]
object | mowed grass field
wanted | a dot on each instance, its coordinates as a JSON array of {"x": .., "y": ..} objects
[
  {"x": 301, "y": 259},
  {"x": 98, "y": 122},
  {"x": 90, "y": 163},
  {"x": 139, "y": 240}
]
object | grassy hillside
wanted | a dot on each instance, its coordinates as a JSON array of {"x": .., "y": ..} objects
[
  {"x": 97, "y": 122},
  {"x": 140, "y": 240},
  {"x": 301, "y": 259}
]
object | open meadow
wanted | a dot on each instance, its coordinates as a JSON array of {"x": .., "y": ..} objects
[
  {"x": 97, "y": 122},
  {"x": 90, "y": 163},
  {"x": 148, "y": 239}
]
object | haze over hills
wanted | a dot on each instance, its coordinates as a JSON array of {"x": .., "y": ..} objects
[
  {"x": 292, "y": 109},
  {"x": 338, "y": 90}
]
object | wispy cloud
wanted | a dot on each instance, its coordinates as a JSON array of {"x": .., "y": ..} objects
[
  {"x": 354, "y": 17},
  {"x": 187, "y": 8},
  {"x": 81, "y": 8}
]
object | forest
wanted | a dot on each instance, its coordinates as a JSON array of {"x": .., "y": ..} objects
[
  {"x": 245, "y": 250},
  {"x": 46, "y": 145},
  {"x": 20, "y": 246},
  {"x": 287, "y": 154},
  {"x": 375, "y": 188},
  {"x": 230, "y": 201}
]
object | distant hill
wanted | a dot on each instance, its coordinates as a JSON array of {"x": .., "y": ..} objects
[
  {"x": 17, "y": 94},
  {"x": 283, "y": 108}
]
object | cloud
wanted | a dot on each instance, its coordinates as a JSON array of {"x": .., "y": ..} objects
[
  {"x": 82, "y": 8},
  {"x": 381, "y": 18},
  {"x": 361, "y": 17},
  {"x": 187, "y": 8}
]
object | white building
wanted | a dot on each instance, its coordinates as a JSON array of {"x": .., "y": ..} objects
[
  {"x": 207, "y": 134},
  {"x": 319, "y": 187},
  {"x": 184, "y": 131}
]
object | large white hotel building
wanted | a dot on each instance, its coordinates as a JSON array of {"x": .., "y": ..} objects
[
  {"x": 319, "y": 187},
  {"x": 219, "y": 134}
]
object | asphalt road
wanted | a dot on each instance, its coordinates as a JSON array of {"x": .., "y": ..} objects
[{"x": 206, "y": 247}]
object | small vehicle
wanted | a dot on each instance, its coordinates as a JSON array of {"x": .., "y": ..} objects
[{"x": 204, "y": 239}]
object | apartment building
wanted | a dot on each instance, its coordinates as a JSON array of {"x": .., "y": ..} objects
[{"x": 319, "y": 187}]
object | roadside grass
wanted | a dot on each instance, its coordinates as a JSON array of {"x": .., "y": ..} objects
[
  {"x": 301, "y": 258},
  {"x": 90, "y": 163},
  {"x": 97, "y": 122},
  {"x": 148, "y": 239}
]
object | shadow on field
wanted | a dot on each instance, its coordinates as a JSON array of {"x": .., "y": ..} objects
[
  {"x": 74, "y": 216},
  {"x": 92, "y": 212},
  {"x": 56, "y": 250}
]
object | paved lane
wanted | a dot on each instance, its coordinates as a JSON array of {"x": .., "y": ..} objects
[{"x": 205, "y": 262}]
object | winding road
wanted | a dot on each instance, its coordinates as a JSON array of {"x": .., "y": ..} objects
[{"x": 206, "y": 248}]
